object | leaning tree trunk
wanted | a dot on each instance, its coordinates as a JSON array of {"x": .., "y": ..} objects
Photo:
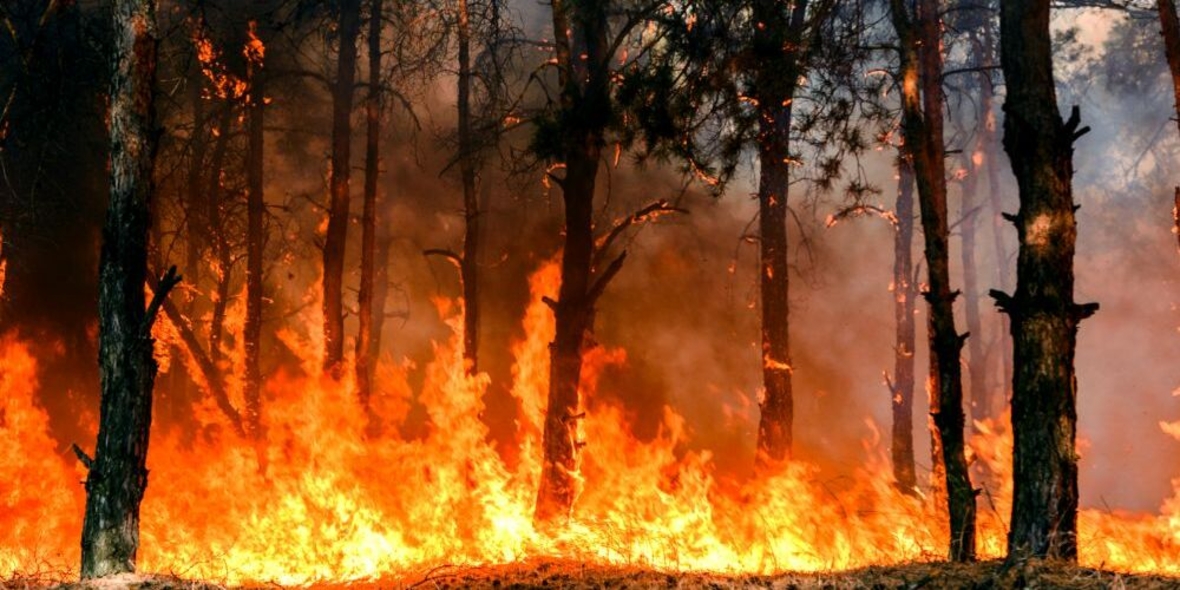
[
  {"x": 255, "y": 211},
  {"x": 1171, "y": 30},
  {"x": 118, "y": 473},
  {"x": 364, "y": 337},
  {"x": 469, "y": 263},
  {"x": 1042, "y": 312},
  {"x": 901, "y": 388},
  {"x": 584, "y": 72},
  {"x": 337, "y": 233},
  {"x": 921, "y": 81},
  {"x": 776, "y": 45}
]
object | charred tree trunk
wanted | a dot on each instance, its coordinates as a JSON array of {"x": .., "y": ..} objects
[
  {"x": 364, "y": 339},
  {"x": 118, "y": 475},
  {"x": 776, "y": 45},
  {"x": 921, "y": 81},
  {"x": 255, "y": 240},
  {"x": 1171, "y": 30},
  {"x": 219, "y": 244},
  {"x": 469, "y": 264},
  {"x": 584, "y": 71},
  {"x": 337, "y": 235},
  {"x": 1043, "y": 314},
  {"x": 198, "y": 223},
  {"x": 901, "y": 388}
]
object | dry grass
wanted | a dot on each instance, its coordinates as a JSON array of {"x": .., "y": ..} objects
[{"x": 562, "y": 574}]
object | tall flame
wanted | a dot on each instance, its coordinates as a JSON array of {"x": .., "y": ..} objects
[{"x": 327, "y": 497}]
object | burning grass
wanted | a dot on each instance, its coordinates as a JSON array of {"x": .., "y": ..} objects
[{"x": 565, "y": 574}]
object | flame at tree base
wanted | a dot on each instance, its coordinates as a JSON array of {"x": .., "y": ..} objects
[{"x": 325, "y": 498}]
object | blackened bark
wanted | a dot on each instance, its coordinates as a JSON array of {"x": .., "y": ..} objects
[
  {"x": 220, "y": 244},
  {"x": 1042, "y": 312},
  {"x": 118, "y": 475},
  {"x": 197, "y": 222},
  {"x": 584, "y": 71},
  {"x": 469, "y": 263},
  {"x": 777, "y": 51},
  {"x": 255, "y": 240},
  {"x": 901, "y": 388},
  {"x": 364, "y": 338},
  {"x": 337, "y": 235},
  {"x": 1171, "y": 30},
  {"x": 921, "y": 81}
]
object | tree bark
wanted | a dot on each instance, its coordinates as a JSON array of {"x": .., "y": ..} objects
[
  {"x": 219, "y": 244},
  {"x": 118, "y": 475},
  {"x": 981, "y": 402},
  {"x": 469, "y": 263},
  {"x": 198, "y": 223},
  {"x": 364, "y": 339},
  {"x": 1042, "y": 312},
  {"x": 584, "y": 75},
  {"x": 921, "y": 81},
  {"x": 901, "y": 388},
  {"x": 777, "y": 51},
  {"x": 337, "y": 234},
  {"x": 1171, "y": 31},
  {"x": 255, "y": 240}
]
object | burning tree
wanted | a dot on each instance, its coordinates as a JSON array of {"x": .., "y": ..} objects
[
  {"x": 1044, "y": 318},
  {"x": 118, "y": 476}
]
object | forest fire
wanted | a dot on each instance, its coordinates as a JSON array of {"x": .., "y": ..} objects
[
  {"x": 327, "y": 500},
  {"x": 479, "y": 356}
]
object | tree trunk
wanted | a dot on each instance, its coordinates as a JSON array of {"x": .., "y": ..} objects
[
  {"x": 337, "y": 235},
  {"x": 584, "y": 73},
  {"x": 469, "y": 264},
  {"x": 1171, "y": 30},
  {"x": 118, "y": 475},
  {"x": 255, "y": 240},
  {"x": 198, "y": 223},
  {"x": 217, "y": 236},
  {"x": 1042, "y": 312},
  {"x": 776, "y": 45},
  {"x": 364, "y": 338},
  {"x": 921, "y": 77},
  {"x": 904, "y": 303}
]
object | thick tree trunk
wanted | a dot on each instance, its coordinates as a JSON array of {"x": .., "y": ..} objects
[
  {"x": 118, "y": 475},
  {"x": 921, "y": 80},
  {"x": 904, "y": 304},
  {"x": 776, "y": 46},
  {"x": 364, "y": 338},
  {"x": 584, "y": 72},
  {"x": 1043, "y": 314},
  {"x": 255, "y": 240},
  {"x": 337, "y": 235},
  {"x": 469, "y": 264}
]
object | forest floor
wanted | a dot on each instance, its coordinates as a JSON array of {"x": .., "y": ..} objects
[{"x": 558, "y": 574}]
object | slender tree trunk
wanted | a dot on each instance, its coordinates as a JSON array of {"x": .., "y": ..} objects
[
  {"x": 990, "y": 148},
  {"x": 469, "y": 264},
  {"x": 218, "y": 240},
  {"x": 364, "y": 338},
  {"x": 118, "y": 475},
  {"x": 904, "y": 304},
  {"x": 337, "y": 235},
  {"x": 584, "y": 71},
  {"x": 921, "y": 78},
  {"x": 976, "y": 358},
  {"x": 776, "y": 45},
  {"x": 198, "y": 222},
  {"x": 255, "y": 240},
  {"x": 1171, "y": 30},
  {"x": 1043, "y": 314}
]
